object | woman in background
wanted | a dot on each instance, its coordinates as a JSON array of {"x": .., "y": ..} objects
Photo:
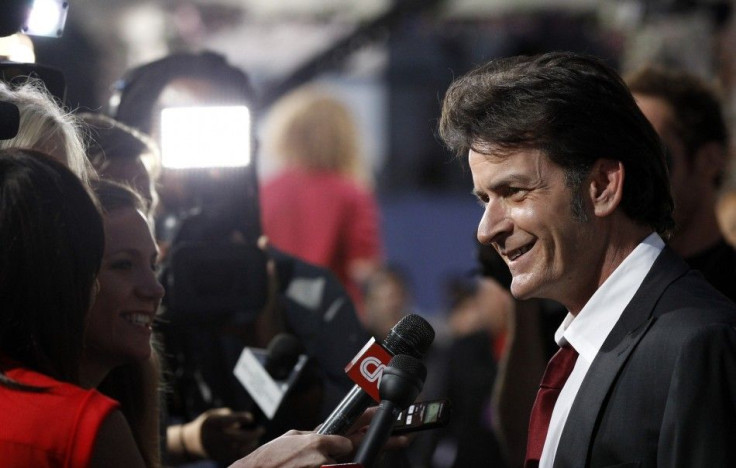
[
  {"x": 119, "y": 357},
  {"x": 319, "y": 205}
]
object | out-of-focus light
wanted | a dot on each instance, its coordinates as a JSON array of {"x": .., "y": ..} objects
[
  {"x": 17, "y": 48},
  {"x": 47, "y": 18},
  {"x": 205, "y": 137}
]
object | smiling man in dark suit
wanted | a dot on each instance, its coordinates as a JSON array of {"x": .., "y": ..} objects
[{"x": 576, "y": 199}]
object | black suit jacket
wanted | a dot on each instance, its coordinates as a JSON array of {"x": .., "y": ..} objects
[{"x": 662, "y": 390}]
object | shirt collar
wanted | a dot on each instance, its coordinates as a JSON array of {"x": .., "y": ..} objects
[{"x": 587, "y": 331}]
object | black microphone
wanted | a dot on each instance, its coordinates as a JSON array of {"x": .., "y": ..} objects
[
  {"x": 283, "y": 352},
  {"x": 9, "y": 120},
  {"x": 401, "y": 382},
  {"x": 412, "y": 335},
  {"x": 269, "y": 375}
]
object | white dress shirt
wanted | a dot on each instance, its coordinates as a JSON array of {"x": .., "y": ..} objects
[{"x": 587, "y": 331}]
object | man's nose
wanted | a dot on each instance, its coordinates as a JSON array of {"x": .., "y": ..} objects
[{"x": 494, "y": 223}]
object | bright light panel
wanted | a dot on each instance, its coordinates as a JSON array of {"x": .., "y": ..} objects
[
  {"x": 204, "y": 137},
  {"x": 17, "y": 48},
  {"x": 47, "y": 18}
]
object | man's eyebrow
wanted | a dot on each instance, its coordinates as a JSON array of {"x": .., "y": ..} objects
[{"x": 504, "y": 182}]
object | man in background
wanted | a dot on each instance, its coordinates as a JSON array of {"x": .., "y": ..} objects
[{"x": 687, "y": 115}]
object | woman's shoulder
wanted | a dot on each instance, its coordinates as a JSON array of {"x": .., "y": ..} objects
[
  {"x": 51, "y": 391},
  {"x": 52, "y": 420}
]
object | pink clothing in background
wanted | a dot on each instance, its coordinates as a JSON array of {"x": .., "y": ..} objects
[{"x": 323, "y": 218}]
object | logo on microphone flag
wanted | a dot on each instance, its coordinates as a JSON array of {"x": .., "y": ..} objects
[{"x": 367, "y": 367}]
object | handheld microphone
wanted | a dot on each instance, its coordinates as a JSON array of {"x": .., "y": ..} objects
[
  {"x": 402, "y": 381},
  {"x": 282, "y": 354},
  {"x": 268, "y": 375},
  {"x": 412, "y": 335}
]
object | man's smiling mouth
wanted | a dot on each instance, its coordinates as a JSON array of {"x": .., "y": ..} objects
[{"x": 514, "y": 254}]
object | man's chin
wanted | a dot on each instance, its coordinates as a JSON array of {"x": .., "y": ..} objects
[{"x": 520, "y": 291}]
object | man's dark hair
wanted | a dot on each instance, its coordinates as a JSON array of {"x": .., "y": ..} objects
[
  {"x": 572, "y": 107},
  {"x": 697, "y": 109}
]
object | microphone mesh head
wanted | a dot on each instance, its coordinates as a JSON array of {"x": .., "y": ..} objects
[
  {"x": 412, "y": 335},
  {"x": 409, "y": 365},
  {"x": 282, "y": 354},
  {"x": 285, "y": 344}
]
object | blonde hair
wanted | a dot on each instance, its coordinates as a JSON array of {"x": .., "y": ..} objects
[
  {"x": 312, "y": 129},
  {"x": 46, "y": 126}
]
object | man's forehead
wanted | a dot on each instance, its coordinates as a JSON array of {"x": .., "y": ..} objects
[
  {"x": 509, "y": 166},
  {"x": 502, "y": 156}
]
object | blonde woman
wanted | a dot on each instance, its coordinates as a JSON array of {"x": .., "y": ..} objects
[
  {"x": 46, "y": 126},
  {"x": 319, "y": 206}
]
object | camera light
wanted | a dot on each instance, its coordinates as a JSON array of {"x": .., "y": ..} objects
[
  {"x": 47, "y": 18},
  {"x": 17, "y": 48},
  {"x": 205, "y": 137}
]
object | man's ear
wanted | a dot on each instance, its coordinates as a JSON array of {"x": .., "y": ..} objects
[{"x": 606, "y": 186}]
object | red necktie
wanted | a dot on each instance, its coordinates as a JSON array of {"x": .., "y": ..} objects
[{"x": 557, "y": 372}]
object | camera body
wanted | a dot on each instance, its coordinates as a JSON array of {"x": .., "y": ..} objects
[
  {"x": 199, "y": 108},
  {"x": 211, "y": 283}
]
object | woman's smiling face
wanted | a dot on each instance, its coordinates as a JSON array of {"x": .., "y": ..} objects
[{"x": 120, "y": 322}]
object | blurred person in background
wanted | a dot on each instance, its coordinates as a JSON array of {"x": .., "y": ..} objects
[
  {"x": 480, "y": 304},
  {"x": 726, "y": 212},
  {"x": 319, "y": 205},
  {"x": 468, "y": 364},
  {"x": 526, "y": 348},
  {"x": 686, "y": 112},
  {"x": 388, "y": 298}
]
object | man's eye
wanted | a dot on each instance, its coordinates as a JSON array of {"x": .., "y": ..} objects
[{"x": 515, "y": 191}]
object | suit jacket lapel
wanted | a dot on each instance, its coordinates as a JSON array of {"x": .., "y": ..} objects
[{"x": 636, "y": 319}]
